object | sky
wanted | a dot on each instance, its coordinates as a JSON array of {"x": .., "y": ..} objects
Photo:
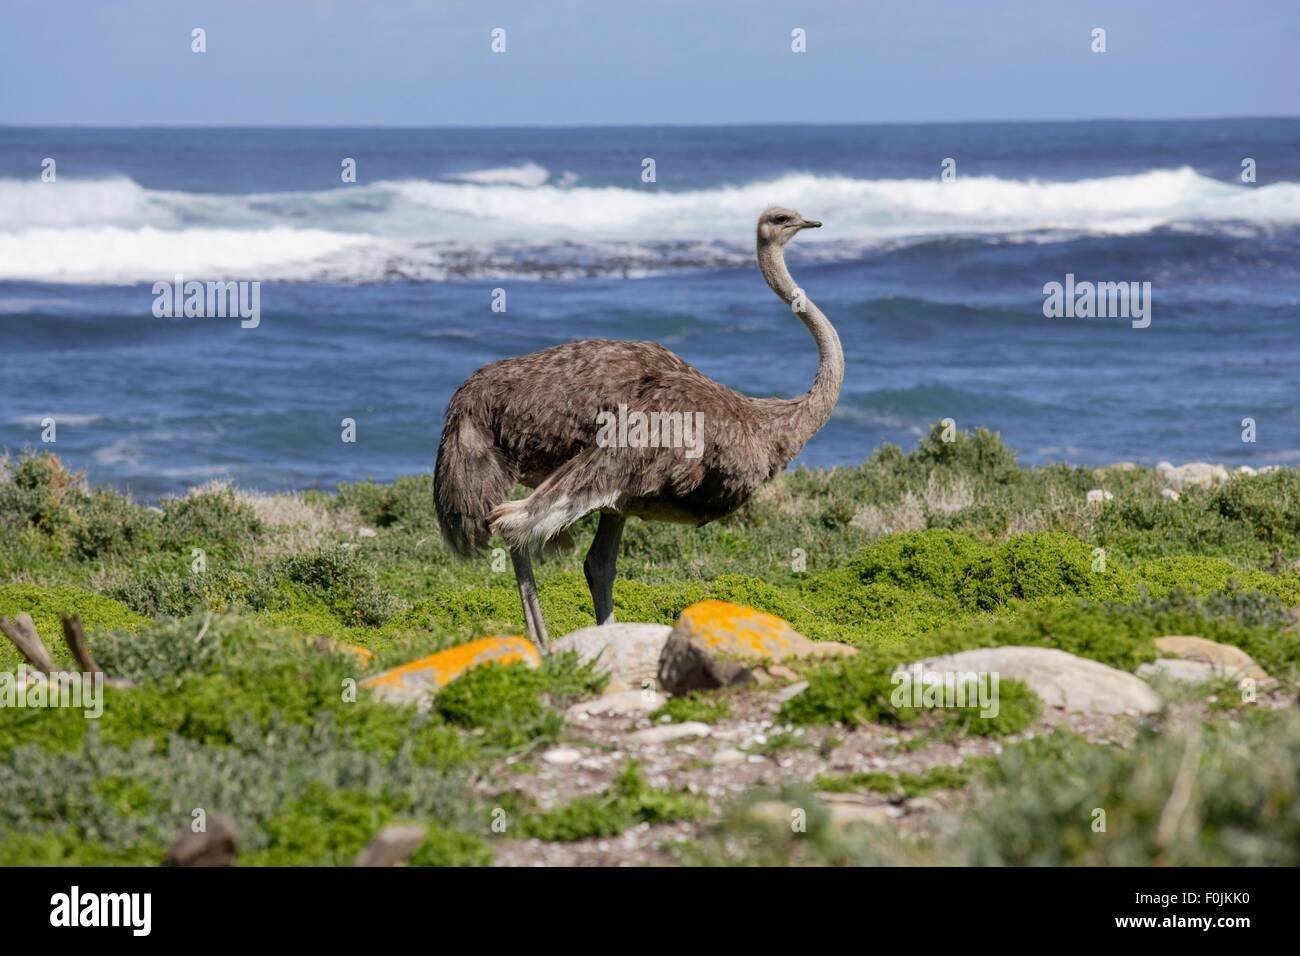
[{"x": 600, "y": 62}]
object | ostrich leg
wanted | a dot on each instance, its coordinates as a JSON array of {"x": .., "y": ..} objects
[
  {"x": 601, "y": 565},
  {"x": 529, "y": 599}
]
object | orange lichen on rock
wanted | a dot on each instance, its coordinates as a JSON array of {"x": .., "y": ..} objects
[
  {"x": 716, "y": 644},
  {"x": 418, "y": 678},
  {"x": 735, "y": 630}
]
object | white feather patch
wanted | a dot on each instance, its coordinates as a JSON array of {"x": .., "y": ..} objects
[{"x": 523, "y": 529}]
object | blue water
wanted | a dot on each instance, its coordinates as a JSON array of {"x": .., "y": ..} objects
[{"x": 376, "y": 295}]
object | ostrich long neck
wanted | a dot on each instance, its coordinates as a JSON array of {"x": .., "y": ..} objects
[{"x": 810, "y": 411}]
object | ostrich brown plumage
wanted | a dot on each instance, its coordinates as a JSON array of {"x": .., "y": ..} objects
[{"x": 544, "y": 420}]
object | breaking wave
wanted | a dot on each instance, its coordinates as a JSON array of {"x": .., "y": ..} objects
[{"x": 523, "y": 221}]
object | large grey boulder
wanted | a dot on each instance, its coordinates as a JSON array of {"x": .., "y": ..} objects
[
  {"x": 1061, "y": 679},
  {"x": 627, "y": 653}
]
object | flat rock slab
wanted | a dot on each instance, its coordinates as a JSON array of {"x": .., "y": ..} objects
[
  {"x": 1061, "y": 679},
  {"x": 627, "y": 653},
  {"x": 666, "y": 733},
  {"x": 1224, "y": 659},
  {"x": 1173, "y": 668},
  {"x": 621, "y": 704},
  {"x": 715, "y": 643},
  {"x": 418, "y": 679},
  {"x": 790, "y": 692},
  {"x": 562, "y": 756}
]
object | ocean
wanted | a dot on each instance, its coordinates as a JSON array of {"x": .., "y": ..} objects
[{"x": 377, "y": 296}]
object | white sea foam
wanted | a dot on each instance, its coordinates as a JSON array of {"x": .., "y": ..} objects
[
  {"x": 113, "y": 254},
  {"x": 514, "y": 220},
  {"x": 527, "y": 175}
]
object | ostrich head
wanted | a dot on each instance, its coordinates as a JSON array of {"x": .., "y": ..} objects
[{"x": 778, "y": 225}]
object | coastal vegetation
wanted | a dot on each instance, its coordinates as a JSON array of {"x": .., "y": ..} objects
[{"x": 214, "y": 605}]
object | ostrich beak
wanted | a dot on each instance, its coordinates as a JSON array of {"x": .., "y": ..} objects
[{"x": 810, "y": 224}]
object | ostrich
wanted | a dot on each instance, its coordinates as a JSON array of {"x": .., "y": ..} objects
[{"x": 543, "y": 420}]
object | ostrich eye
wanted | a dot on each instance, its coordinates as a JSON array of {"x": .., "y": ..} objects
[{"x": 781, "y": 220}]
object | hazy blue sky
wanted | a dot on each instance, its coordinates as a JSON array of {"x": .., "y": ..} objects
[{"x": 576, "y": 62}]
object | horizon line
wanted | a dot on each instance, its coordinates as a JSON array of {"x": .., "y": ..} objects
[{"x": 647, "y": 125}]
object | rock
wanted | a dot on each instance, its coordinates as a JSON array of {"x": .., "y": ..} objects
[
  {"x": 790, "y": 692},
  {"x": 217, "y": 845},
  {"x": 392, "y": 845},
  {"x": 628, "y": 653},
  {"x": 1198, "y": 473},
  {"x": 714, "y": 644},
  {"x": 417, "y": 680},
  {"x": 688, "y": 665},
  {"x": 1172, "y": 668},
  {"x": 562, "y": 756},
  {"x": 617, "y": 705},
  {"x": 1246, "y": 470},
  {"x": 666, "y": 733},
  {"x": 1098, "y": 495},
  {"x": 850, "y": 809},
  {"x": 1062, "y": 680},
  {"x": 1224, "y": 659},
  {"x": 1169, "y": 494},
  {"x": 366, "y": 532},
  {"x": 728, "y": 756},
  {"x": 781, "y": 672}
]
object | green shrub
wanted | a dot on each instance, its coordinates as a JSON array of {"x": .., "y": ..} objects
[
  {"x": 337, "y": 576},
  {"x": 47, "y": 606},
  {"x": 504, "y": 701},
  {"x": 442, "y": 847},
  {"x": 40, "y": 493},
  {"x": 407, "y": 502},
  {"x": 980, "y": 452},
  {"x": 1046, "y": 564},
  {"x": 209, "y": 518},
  {"x": 905, "y": 786},
  {"x": 860, "y": 690},
  {"x": 107, "y": 525},
  {"x": 300, "y": 795},
  {"x": 1243, "y": 808},
  {"x": 1269, "y": 505},
  {"x": 708, "y": 708}
]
